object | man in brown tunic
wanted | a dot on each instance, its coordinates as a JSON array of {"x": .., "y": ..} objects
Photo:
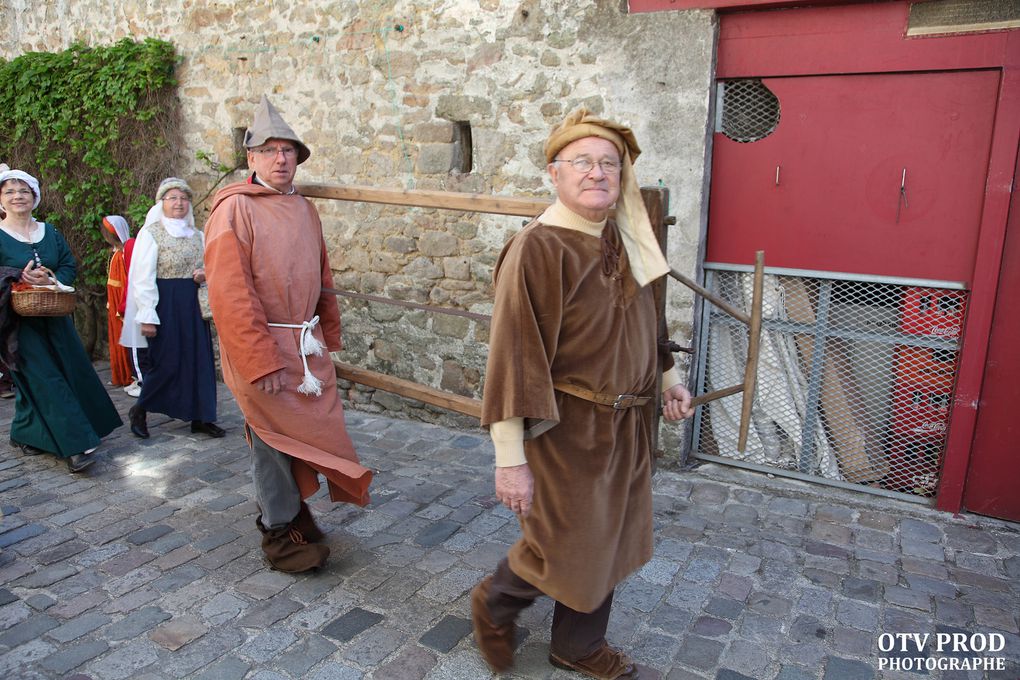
[
  {"x": 266, "y": 265},
  {"x": 569, "y": 400}
]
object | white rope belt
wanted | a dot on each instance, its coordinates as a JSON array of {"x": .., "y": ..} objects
[{"x": 309, "y": 345}]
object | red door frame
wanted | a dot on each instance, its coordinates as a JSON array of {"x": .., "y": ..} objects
[{"x": 870, "y": 38}]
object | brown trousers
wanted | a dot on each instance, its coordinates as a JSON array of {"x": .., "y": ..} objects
[{"x": 575, "y": 634}]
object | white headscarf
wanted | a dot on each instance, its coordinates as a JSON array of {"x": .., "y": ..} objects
[
  {"x": 176, "y": 227},
  {"x": 32, "y": 182},
  {"x": 119, "y": 226}
]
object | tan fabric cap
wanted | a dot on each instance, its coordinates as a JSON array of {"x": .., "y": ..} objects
[
  {"x": 583, "y": 123},
  {"x": 647, "y": 262},
  {"x": 269, "y": 124}
]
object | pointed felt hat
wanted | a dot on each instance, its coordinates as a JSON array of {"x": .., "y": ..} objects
[{"x": 269, "y": 124}]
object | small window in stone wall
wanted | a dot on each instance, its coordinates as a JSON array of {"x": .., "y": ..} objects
[
  {"x": 240, "y": 152},
  {"x": 462, "y": 151},
  {"x": 748, "y": 110}
]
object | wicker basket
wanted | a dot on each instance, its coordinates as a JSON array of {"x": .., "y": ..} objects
[{"x": 42, "y": 302}]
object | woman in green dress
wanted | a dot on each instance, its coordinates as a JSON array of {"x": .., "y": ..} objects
[{"x": 61, "y": 406}]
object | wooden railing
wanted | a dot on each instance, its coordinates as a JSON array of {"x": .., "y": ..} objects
[{"x": 655, "y": 199}]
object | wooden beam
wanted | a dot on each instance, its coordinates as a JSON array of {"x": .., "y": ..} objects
[
  {"x": 753, "y": 342},
  {"x": 411, "y": 390},
  {"x": 448, "y": 200}
]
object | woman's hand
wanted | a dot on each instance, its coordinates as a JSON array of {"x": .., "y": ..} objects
[
  {"x": 36, "y": 276},
  {"x": 148, "y": 330},
  {"x": 199, "y": 276}
]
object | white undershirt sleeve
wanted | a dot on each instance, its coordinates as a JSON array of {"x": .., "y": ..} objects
[
  {"x": 508, "y": 440},
  {"x": 142, "y": 278}
]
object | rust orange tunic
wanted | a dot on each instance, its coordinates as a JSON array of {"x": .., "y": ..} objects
[
  {"x": 266, "y": 262},
  {"x": 559, "y": 317},
  {"x": 116, "y": 289}
]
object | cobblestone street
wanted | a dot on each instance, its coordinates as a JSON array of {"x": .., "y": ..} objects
[{"x": 148, "y": 567}]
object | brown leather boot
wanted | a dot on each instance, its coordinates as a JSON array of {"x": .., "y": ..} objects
[
  {"x": 289, "y": 551},
  {"x": 305, "y": 523},
  {"x": 496, "y": 643},
  {"x": 606, "y": 663}
]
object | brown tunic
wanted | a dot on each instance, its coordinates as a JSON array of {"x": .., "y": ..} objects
[
  {"x": 266, "y": 262},
  {"x": 565, "y": 311}
]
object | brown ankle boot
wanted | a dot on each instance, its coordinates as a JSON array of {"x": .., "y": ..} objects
[
  {"x": 288, "y": 550},
  {"x": 305, "y": 523},
  {"x": 496, "y": 643}
]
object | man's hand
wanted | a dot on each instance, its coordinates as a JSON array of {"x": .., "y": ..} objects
[
  {"x": 272, "y": 383},
  {"x": 148, "y": 330},
  {"x": 515, "y": 487},
  {"x": 676, "y": 403}
]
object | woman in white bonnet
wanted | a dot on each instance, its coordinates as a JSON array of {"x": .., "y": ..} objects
[
  {"x": 166, "y": 271},
  {"x": 61, "y": 406}
]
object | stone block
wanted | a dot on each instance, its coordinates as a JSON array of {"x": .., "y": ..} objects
[
  {"x": 434, "y": 159},
  {"x": 178, "y": 632},
  {"x": 445, "y": 635},
  {"x": 82, "y": 625},
  {"x": 135, "y": 624},
  {"x": 698, "y": 652},
  {"x": 348, "y": 626},
  {"x": 69, "y": 657},
  {"x": 837, "y": 668}
]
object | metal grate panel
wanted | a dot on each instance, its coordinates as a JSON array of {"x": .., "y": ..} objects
[
  {"x": 749, "y": 111},
  {"x": 855, "y": 379}
]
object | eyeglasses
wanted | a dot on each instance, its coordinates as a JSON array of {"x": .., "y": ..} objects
[
  {"x": 272, "y": 151},
  {"x": 17, "y": 192},
  {"x": 178, "y": 199},
  {"x": 584, "y": 165}
]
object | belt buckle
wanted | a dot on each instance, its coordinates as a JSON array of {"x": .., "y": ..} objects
[{"x": 624, "y": 401}]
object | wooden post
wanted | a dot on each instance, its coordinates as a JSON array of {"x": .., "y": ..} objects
[
  {"x": 753, "y": 342},
  {"x": 656, "y": 201}
]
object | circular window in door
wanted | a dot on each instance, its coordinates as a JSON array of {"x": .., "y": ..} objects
[{"x": 748, "y": 110}]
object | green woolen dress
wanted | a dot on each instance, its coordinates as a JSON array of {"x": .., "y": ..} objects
[{"x": 61, "y": 405}]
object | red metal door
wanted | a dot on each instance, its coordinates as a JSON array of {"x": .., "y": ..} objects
[
  {"x": 823, "y": 191},
  {"x": 993, "y": 477}
]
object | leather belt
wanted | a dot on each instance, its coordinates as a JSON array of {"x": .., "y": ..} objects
[{"x": 617, "y": 401}]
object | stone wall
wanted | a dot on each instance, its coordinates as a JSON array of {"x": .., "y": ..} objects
[{"x": 381, "y": 92}]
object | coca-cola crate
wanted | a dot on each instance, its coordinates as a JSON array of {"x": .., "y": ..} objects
[
  {"x": 922, "y": 390},
  {"x": 933, "y": 311}
]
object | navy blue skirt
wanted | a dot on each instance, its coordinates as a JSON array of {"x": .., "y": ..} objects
[{"x": 181, "y": 380}]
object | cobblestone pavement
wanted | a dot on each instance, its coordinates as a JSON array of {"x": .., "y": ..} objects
[{"x": 148, "y": 567}]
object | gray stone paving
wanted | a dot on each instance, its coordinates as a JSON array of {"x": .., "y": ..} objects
[{"x": 148, "y": 567}]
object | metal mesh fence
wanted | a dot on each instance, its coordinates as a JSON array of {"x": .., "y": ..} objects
[{"x": 855, "y": 380}]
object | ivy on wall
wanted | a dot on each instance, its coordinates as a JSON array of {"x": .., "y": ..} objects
[{"x": 99, "y": 127}]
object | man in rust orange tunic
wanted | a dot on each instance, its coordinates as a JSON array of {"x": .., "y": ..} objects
[
  {"x": 569, "y": 399},
  {"x": 266, "y": 266}
]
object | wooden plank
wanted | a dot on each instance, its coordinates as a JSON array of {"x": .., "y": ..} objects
[
  {"x": 753, "y": 342},
  {"x": 702, "y": 399},
  {"x": 411, "y": 390},
  {"x": 710, "y": 296},
  {"x": 447, "y": 200}
]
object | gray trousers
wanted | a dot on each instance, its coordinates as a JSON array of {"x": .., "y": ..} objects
[{"x": 276, "y": 491}]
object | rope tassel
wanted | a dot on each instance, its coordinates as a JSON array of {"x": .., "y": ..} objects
[{"x": 309, "y": 345}]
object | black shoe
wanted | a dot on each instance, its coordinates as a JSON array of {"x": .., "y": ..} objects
[
  {"x": 78, "y": 462},
  {"x": 211, "y": 429},
  {"x": 27, "y": 449},
  {"x": 138, "y": 426}
]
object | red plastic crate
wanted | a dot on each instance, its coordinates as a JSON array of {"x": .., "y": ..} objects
[
  {"x": 922, "y": 391},
  {"x": 932, "y": 311},
  {"x": 914, "y": 464}
]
